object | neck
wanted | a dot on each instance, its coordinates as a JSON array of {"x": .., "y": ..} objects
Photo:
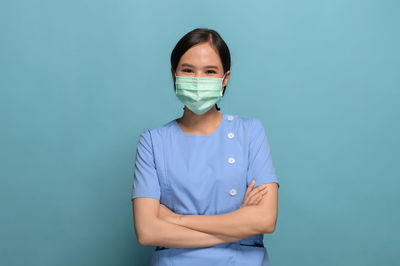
[{"x": 209, "y": 118}]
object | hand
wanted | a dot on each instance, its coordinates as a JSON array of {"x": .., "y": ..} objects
[
  {"x": 166, "y": 214},
  {"x": 253, "y": 196}
]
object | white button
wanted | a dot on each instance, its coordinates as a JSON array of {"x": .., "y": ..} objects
[
  {"x": 231, "y": 160},
  {"x": 232, "y": 192},
  {"x": 230, "y": 117},
  {"x": 230, "y": 135}
]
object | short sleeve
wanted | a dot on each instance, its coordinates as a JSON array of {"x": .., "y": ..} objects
[
  {"x": 145, "y": 178},
  {"x": 261, "y": 167}
]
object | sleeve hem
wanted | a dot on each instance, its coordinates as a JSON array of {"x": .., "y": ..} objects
[
  {"x": 145, "y": 195},
  {"x": 274, "y": 180}
]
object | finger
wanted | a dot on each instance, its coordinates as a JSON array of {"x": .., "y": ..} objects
[
  {"x": 251, "y": 201},
  {"x": 260, "y": 187},
  {"x": 259, "y": 198},
  {"x": 256, "y": 199},
  {"x": 250, "y": 187},
  {"x": 245, "y": 201},
  {"x": 258, "y": 190},
  {"x": 253, "y": 196}
]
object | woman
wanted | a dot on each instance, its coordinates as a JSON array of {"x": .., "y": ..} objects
[{"x": 201, "y": 181}]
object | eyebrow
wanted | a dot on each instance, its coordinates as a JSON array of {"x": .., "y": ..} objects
[{"x": 209, "y": 66}]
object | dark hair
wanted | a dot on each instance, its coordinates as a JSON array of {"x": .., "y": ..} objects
[{"x": 197, "y": 36}]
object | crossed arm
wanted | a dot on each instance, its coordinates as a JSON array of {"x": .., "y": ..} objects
[{"x": 156, "y": 225}]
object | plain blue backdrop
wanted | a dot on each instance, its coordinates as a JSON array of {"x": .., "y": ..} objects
[{"x": 80, "y": 80}]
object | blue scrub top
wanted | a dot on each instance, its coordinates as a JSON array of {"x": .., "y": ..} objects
[{"x": 205, "y": 175}]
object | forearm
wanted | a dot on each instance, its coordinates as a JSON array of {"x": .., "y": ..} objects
[
  {"x": 166, "y": 234},
  {"x": 241, "y": 223}
]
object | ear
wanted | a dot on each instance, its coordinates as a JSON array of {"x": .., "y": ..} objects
[{"x": 227, "y": 75}]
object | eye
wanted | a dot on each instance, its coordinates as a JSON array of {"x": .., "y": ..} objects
[
  {"x": 211, "y": 71},
  {"x": 186, "y": 70}
]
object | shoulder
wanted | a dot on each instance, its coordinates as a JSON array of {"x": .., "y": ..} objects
[
  {"x": 252, "y": 128},
  {"x": 159, "y": 131},
  {"x": 249, "y": 123}
]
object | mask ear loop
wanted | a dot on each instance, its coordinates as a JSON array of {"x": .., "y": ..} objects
[
  {"x": 222, "y": 88},
  {"x": 223, "y": 78},
  {"x": 222, "y": 81}
]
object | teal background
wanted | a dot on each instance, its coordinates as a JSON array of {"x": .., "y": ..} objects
[{"x": 80, "y": 80}]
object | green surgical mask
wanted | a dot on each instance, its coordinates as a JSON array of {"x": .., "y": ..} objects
[{"x": 197, "y": 93}]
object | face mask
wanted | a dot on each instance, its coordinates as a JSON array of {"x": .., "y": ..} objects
[{"x": 198, "y": 94}]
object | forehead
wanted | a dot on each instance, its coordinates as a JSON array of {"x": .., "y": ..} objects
[{"x": 201, "y": 53}]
